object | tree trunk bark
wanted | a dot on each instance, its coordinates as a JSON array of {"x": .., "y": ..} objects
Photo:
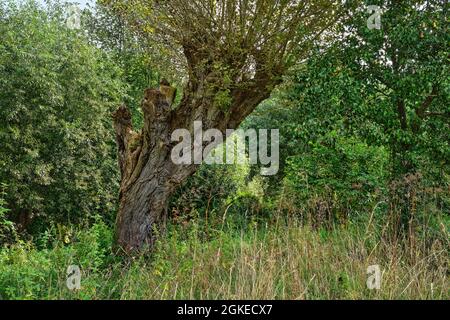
[
  {"x": 142, "y": 210},
  {"x": 148, "y": 175}
]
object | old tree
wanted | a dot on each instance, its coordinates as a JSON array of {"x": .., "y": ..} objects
[{"x": 232, "y": 54}]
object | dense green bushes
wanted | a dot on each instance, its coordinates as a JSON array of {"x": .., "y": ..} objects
[
  {"x": 365, "y": 120},
  {"x": 30, "y": 271},
  {"x": 221, "y": 193},
  {"x": 56, "y": 142},
  {"x": 338, "y": 179},
  {"x": 7, "y": 228}
]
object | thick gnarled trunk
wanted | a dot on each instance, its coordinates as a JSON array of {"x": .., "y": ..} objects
[
  {"x": 142, "y": 212},
  {"x": 148, "y": 175}
]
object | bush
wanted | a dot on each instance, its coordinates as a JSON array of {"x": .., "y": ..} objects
[
  {"x": 338, "y": 179},
  {"x": 7, "y": 228},
  {"x": 56, "y": 140},
  {"x": 218, "y": 193},
  {"x": 28, "y": 272}
]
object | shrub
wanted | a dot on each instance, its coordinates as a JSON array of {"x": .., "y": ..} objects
[
  {"x": 56, "y": 140},
  {"x": 7, "y": 228}
]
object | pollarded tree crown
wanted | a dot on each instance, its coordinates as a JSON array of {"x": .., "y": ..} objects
[{"x": 231, "y": 43}]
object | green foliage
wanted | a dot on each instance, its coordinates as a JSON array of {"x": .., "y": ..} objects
[
  {"x": 347, "y": 175},
  {"x": 220, "y": 194},
  {"x": 56, "y": 141},
  {"x": 343, "y": 144},
  {"x": 223, "y": 100},
  {"x": 7, "y": 228},
  {"x": 28, "y": 273},
  {"x": 131, "y": 52},
  {"x": 403, "y": 71}
]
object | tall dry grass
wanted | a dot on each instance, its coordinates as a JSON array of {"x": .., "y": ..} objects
[{"x": 288, "y": 261}]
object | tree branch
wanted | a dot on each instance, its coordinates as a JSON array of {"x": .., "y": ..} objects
[
  {"x": 427, "y": 102},
  {"x": 437, "y": 114}
]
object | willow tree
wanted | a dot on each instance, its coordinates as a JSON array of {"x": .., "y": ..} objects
[{"x": 232, "y": 54}]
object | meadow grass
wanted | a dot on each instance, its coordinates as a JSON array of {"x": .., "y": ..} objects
[{"x": 277, "y": 260}]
